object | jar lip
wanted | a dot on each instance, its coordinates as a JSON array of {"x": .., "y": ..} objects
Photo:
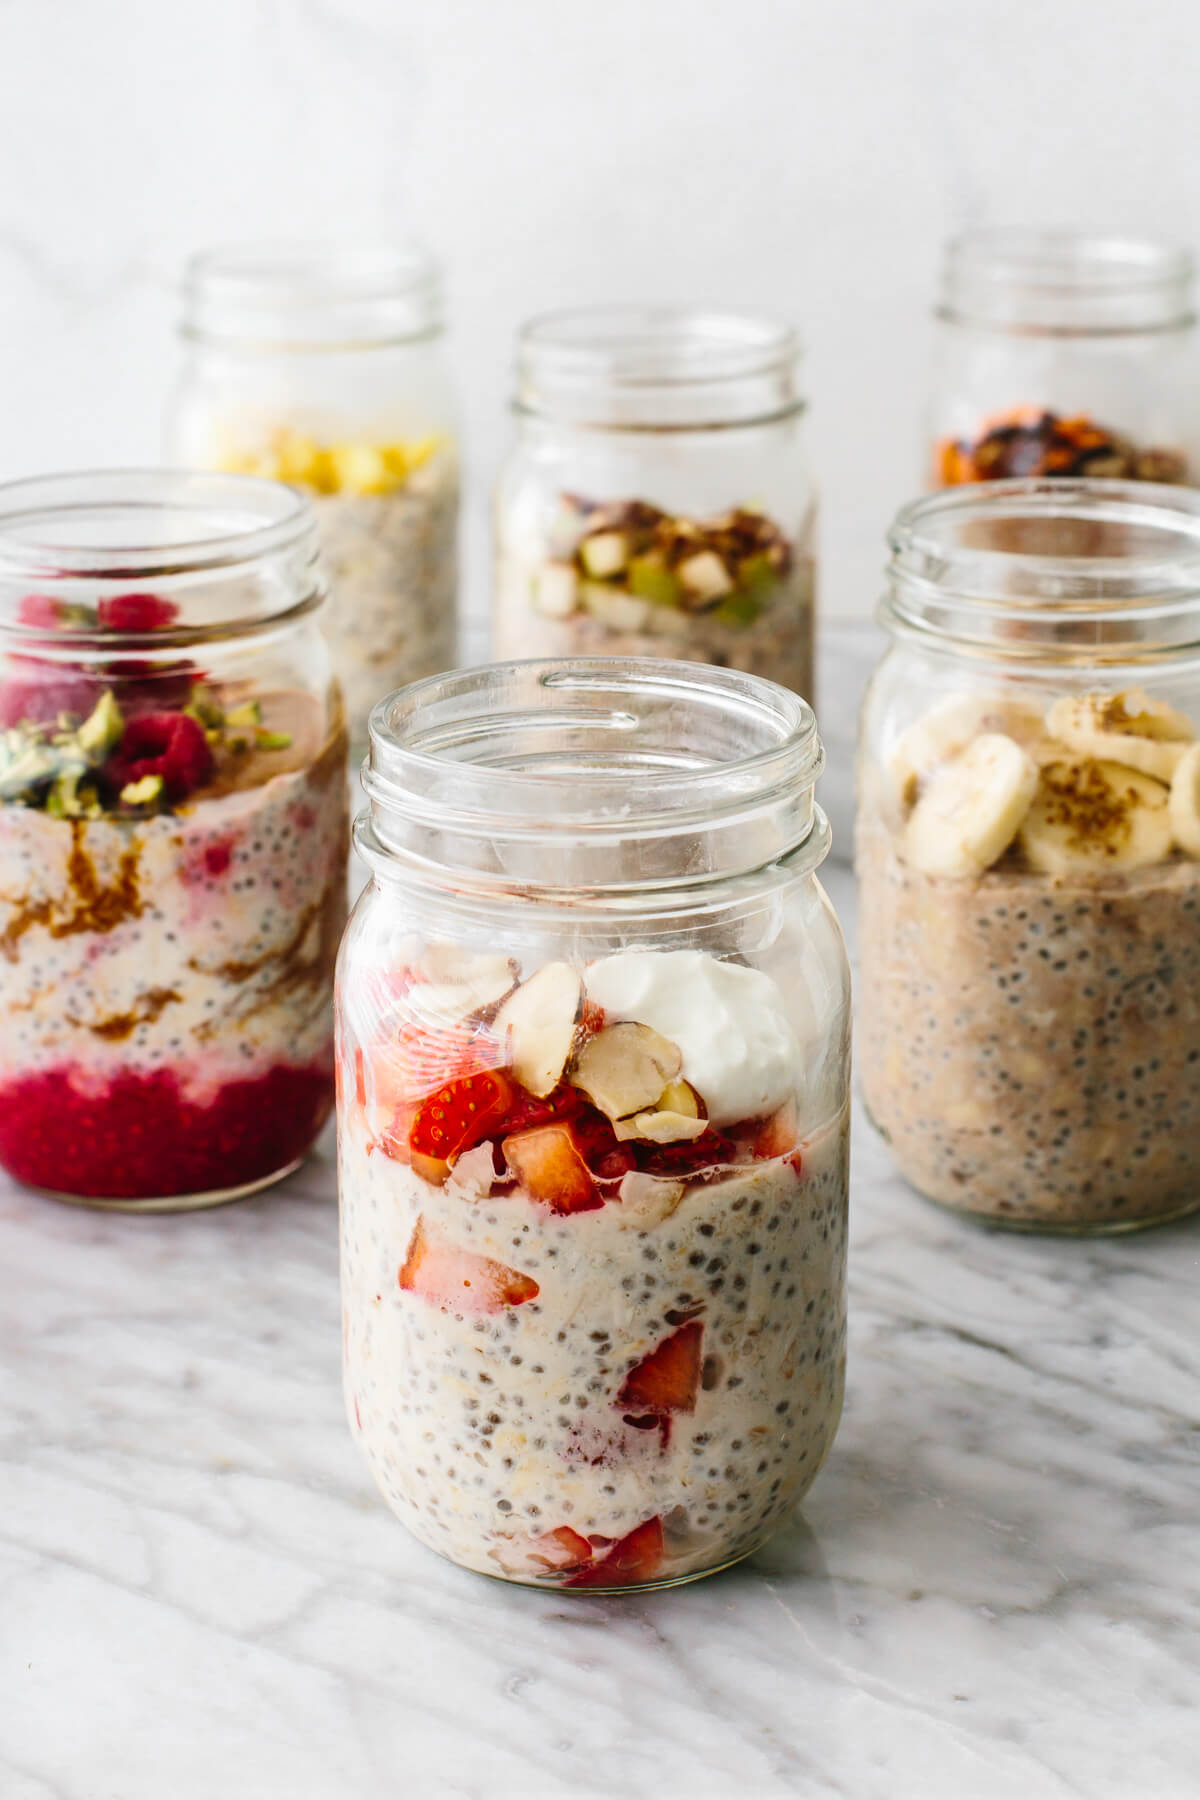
[
  {"x": 562, "y": 753},
  {"x": 1109, "y": 565},
  {"x": 1062, "y": 280},
  {"x": 312, "y": 294},
  {"x": 641, "y": 366},
  {"x": 92, "y": 530}
]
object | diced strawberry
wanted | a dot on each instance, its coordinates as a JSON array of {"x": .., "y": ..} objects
[
  {"x": 527, "y": 1110},
  {"x": 636, "y": 1557},
  {"x": 561, "y": 1549},
  {"x": 459, "y": 1281},
  {"x": 169, "y": 744},
  {"x": 605, "y": 1157},
  {"x": 136, "y": 612},
  {"x": 459, "y": 1114},
  {"x": 706, "y": 1156},
  {"x": 776, "y": 1136},
  {"x": 548, "y": 1164},
  {"x": 668, "y": 1379}
]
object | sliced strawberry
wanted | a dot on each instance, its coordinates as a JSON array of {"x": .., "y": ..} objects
[
  {"x": 459, "y": 1281},
  {"x": 636, "y": 1557},
  {"x": 549, "y": 1166},
  {"x": 668, "y": 1379},
  {"x": 410, "y": 1063},
  {"x": 461, "y": 1113},
  {"x": 561, "y": 1549}
]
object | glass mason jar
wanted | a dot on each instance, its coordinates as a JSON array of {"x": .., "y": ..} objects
[
  {"x": 593, "y": 1044},
  {"x": 658, "y": 500},
  {"x": 1061, "y": 354},
  {"x": 323, "y": 367},
  {"x": 1029, "y": 855},
  {"x": 173, "y": 837}
]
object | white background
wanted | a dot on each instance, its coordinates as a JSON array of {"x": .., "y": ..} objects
[{"x": 805, "y": 157}]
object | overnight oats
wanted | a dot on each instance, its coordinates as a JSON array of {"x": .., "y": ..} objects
[
  {"x": 173, "y": 836},
  {"x": 658, "y": 501},
  {"x": 1029, "y": 859},
  {"x": 325, "y": 371},
  {"x": 1064, "y": 355},
  {"x": 593, "y": 1160}
]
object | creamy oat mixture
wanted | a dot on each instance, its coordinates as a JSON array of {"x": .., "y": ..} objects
[
  {"x": 1030, "y": 958},
  {"x": 602, "y": 1343}
]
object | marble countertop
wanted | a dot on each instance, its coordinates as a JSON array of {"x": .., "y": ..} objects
[{"x": 993, "y": 1590}]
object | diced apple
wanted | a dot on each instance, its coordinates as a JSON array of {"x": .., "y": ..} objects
[
  {"x": 650, "y": 579},
  {"x": 459, "y": 1281},
  {"x": 604, "y": 553},
  {"x": 537, "y": 1023},
  {"x": 705, "y": 578},
  {"x": 556, "y": 591},
  {"x": 613, "y": 606},
  {"x": 548, "y": 1165},
  {"x": 625, "y": 1068}
]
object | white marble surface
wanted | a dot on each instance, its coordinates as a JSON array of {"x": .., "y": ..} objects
[{"x": 993, "y": 1590}]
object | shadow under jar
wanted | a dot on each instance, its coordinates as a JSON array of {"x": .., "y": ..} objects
[
  {"x": 323, "y": 365},
  {"x": 173, "y": 837},
  {"x": 1061, "y": 354},
  {"x": 1029, "y": 855},
  {"x": 593, "y": 1047},
  {"x": 658, "y": 499}
]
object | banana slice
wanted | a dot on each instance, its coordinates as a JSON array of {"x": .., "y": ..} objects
[
  {"x": 1130, "y": 729},
  {"x": 946, "y": 730},
  {"x": 970, "y": 808},
  {"x": 1090, "y": 816},
  {"x": 1184, "y": 803}
]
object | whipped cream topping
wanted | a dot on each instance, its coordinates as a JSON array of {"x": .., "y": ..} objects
[{"x": 739, "y": 1050}]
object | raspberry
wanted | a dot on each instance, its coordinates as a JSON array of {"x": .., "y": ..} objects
[
  {"x": 172, "y": 745},
  {"x": 135, "y": 612},
  {"x": 41, "y": 690},
  {"x": 42, "y": 611}
]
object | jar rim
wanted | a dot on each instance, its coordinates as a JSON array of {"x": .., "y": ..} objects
[
  {"x": 540, "y": 754},
  {"x": 1065, "y": 281},
  {"x": 312, "y": 294},
  {"x": 1048, "y": 567},
  {"x": 655, "y": 367},
  {"x": 92, "y": 530}
]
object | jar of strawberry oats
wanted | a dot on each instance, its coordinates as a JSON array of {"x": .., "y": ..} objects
[
  {"x": 1062, "y": 354},
  {"x": 323, "y": 365},
  {"x": 172, "y": 837},
  {"x": 1029, "y": 855},
  {"x": 658, "y": 500},
  {"x": 593, "y": 1075}
]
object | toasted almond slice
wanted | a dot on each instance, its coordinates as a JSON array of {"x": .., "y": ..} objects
[
  {"x": 625, "y": 1068},
  {"x": 660, "y": 1127},
  {"x": 537, "y": 1022}
]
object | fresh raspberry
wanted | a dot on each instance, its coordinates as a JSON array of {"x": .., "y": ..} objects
[
  {"x": 42, "y": 611},
  {"x": 150, "y": 687},
  {"x": 41, "y": 690},
  {"x": 135, "y": 612},
  {"x": 169, "y": 744}
]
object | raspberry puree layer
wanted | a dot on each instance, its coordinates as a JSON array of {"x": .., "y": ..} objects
[{"x": 138, "y": 1137}]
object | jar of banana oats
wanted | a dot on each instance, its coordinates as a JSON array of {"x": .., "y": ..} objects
[{"x": 1029, "y": 854}]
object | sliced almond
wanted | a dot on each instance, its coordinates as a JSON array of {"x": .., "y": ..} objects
[
  {"x": 660, "y": 1127},
  {"x": 537, "y": 1022},
  {"x": 625, "y": 1068},
  {"x": 457, "y": 982},
  {"x": 681, "y": 1097},
  {"x": 647, "y": 1199}
]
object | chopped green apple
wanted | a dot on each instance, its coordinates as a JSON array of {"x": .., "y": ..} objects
[
  {"x": 705, "y": 578},
  {"x": 613, "y": 607},
  {"x": 743, "y": 608},
  {"x": 650, "y": 579},
  {"x": 604, "y": 554}
]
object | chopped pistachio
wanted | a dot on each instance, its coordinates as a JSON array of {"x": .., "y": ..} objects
[
  {"x": 29, "y": 767},
  {"x": 101, "y": 730},
  {"x": 239, "y": 746},
  {"x": 64, "y": 800},
  {"x": 248, "y": 713},
  {"x": 143, "y": 792},
  {"x": 273, "y": 740}
]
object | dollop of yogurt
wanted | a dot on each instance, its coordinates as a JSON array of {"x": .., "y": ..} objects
[{"x": 739, "y": 1050}]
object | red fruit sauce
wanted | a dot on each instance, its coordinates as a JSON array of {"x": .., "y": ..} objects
[{"x": 140, "y": 1139}]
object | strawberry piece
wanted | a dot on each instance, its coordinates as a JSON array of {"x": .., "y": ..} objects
[
  {"x": 776, "y": 1136},
  {"x": 527, "y": 1110},
  {"x": 561, "y": 1549},
  {"x": 605, "y": 1157},
  {"x": 636, "y": 1557},
  {"x": 169, "y": 744},
  {"x": 411, "y": 1063},
  {"x": 360, "y": 1078},
  {"x": 136, "y": 612},
  {"x": 706, "y": 1157},
  {"x": 549, "y": 1166},
  {"x": 459, "y": 1114},
  {"x": 459, "y": 1281},
  {"x": 668, "y": 1379}
]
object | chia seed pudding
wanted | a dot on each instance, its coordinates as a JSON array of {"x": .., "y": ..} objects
[
  {"x": 592, "y": 1261},
  {"x": 172, "y": 857},
  {"x": 1030, "y": 956},
  {"x": 626, "y": 578}
]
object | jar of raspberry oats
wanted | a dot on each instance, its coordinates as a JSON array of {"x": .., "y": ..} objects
[
  {"x": 1064, "y": 354},
  {"x": 593, "y": 1066},
  {"x": 173, "y": 836}
]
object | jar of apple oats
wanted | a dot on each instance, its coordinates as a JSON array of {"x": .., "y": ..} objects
[
  {"x": 658, "y": 499},
  {"x": 1063, "y": 354},
  {"x": 323, "y": 365},
  {"x": 1029, "y": 854}
]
